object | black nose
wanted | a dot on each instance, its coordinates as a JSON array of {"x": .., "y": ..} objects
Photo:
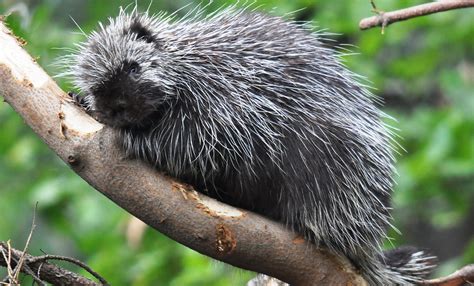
[
  {"x": 114, "y": 111},
  {"x": 119, "y": 107}
]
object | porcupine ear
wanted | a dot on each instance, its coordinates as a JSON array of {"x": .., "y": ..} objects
[
  {"x": 137, "y": 27},
  {"x": 142, "y": 32}
]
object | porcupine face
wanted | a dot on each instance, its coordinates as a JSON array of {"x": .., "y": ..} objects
[{"x": 117, "y": 67}]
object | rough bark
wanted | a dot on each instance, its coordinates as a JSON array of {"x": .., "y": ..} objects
[{"x": 232, "y": 235}]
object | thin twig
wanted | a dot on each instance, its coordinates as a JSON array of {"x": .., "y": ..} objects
[
  {"x": 45, "y": 271},
  {"x": 71, "y": 260},
  {"x": 22, "y": 257},
  {"x": 23, "y": 260},
  {"x": 7, "y": 259},
  {"x": 14, "y": 275},
  {"x": 384, "y": 19},
  {"x": 25, "y": 268},
  {"x": 461, "y": 277}
]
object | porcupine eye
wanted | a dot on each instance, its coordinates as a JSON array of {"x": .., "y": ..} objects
[{"x": 133, "y": 69}]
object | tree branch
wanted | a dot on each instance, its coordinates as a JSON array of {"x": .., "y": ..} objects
[
  {"x": 461, "y": 277},
  {"x": 39, "y": 268},
  {"x": 383, "y": 19},
  {"x": 232, "y": 235}
]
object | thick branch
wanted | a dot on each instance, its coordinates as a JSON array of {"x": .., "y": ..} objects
[
  {"x": 386, "y": 18},
  {"x": 43, "y": 270},
  {"x": 228, "y": 234}
]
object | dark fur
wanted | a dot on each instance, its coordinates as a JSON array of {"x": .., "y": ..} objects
[{"x": 256, "y": 112}]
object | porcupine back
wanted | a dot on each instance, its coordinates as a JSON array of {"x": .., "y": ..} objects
[{"x": 257, "y": 112}]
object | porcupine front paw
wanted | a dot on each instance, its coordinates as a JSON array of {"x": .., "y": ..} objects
[{"x": 78, "y": 100}]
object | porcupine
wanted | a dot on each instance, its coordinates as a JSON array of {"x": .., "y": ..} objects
[{"x": 257, "y": 112}]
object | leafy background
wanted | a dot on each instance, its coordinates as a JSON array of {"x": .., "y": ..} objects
[{"x": 422, "y": 68}]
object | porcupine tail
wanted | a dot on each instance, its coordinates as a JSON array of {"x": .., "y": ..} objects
[{"x": 407, "y": 265}]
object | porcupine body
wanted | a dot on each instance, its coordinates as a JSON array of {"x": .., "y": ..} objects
[{"x": 255, "y": 111}]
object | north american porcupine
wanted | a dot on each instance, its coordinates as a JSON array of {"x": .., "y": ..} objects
[{"x": 254, "y": 110}]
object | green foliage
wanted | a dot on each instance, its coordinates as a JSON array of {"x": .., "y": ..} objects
[{"x": 423, "y": 68}]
